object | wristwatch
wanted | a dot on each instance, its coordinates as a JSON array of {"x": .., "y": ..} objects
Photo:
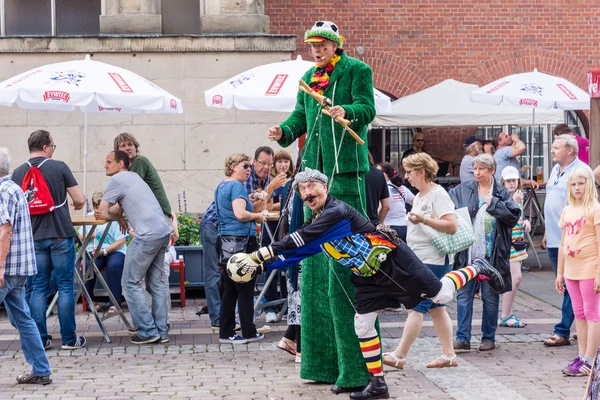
[{"x": 104, "y": 252}]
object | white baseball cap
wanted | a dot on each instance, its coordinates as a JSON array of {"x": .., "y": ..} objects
[{"x": 510, "y": 173}]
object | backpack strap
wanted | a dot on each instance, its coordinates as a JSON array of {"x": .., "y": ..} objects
[{"x": 38, "y": 166}]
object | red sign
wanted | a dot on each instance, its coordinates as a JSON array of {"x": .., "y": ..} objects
[
  {"x": 120, "y": 82},
  {"x": 528, "y": 102},
  {"x": 498, "y": 86},
  {"x": 276, "y": 85},
  {"x": 566, "y": 91},
  {"x": 21, "y": 79},
  {"x": 108, "y": 109},
  {"x": 57, "y": 95},
  {"x": 217, "y": 100},
  {"x": 594, "y": 83}
]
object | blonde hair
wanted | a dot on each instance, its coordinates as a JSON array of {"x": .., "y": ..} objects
[
  {"x": 97, "y": 198},
  {"x": 421, "y": 161},
  {"x": 126, "y": 137},
  {"x": 234, "y": 160},
  {"x": 590, "y": 197},
  {"x": 282, "y": 155}
]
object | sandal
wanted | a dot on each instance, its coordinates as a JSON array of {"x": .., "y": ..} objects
[
  {"x": 112, "y": 310},
  {"x": 512, "y": 322},
  {"x": 555, "y": 341},
  {"x": 283, "y": 345},
  {"x": 443, "y": 362},
  {"x": 392, "y": 360}
]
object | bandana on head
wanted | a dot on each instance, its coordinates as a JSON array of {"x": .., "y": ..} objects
[{"x": 308, "y": 175}]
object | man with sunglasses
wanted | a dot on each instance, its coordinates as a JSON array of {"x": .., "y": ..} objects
[
  {"x": 418, "y": 143},
  {"x": 53, "y": 234},
  {"x": 564, "y": 153}
]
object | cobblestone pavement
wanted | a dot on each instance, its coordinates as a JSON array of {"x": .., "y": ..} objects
[{"x": 194, "y": 366}]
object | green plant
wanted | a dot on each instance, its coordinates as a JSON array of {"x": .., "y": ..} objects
[{"x": 189, "y": 230}]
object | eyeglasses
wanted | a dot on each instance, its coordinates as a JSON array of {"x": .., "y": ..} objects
[
  {"x": 419, "y": 140},
  {"x": 246, "y": 166},
  {"x": 264, "y": 163},
  {"x": 52, "y": 145}
]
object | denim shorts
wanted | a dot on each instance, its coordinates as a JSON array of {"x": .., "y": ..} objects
[{"x": 439, "y": 271}]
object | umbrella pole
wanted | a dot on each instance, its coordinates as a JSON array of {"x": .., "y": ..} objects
[
  {"x": 85, "y": 128},
  {"x": 531, "y": 174}
]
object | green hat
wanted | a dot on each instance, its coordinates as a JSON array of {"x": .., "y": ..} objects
[{"x": 324, "y": 30}]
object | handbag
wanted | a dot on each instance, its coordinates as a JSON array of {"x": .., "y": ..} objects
[
  {"x": 462, "y": 239},
  {"x": 519, "y": 245},
  {"x": 230, "y": 245}
]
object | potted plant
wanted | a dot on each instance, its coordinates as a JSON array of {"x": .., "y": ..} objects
[{"x": 189, "y": 245}]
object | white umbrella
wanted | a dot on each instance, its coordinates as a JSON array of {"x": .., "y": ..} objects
[
  {"x": 533, "y": 90},
  {"x": 91, "y": 86},
  {"x": 271, "y": 87}
]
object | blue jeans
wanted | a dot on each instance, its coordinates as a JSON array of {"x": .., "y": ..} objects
[
  {"x": 56, "y": 256},
  {"x": 212, "y": 273},
  {"x": 489, "y": 319},
  {"x": 563, "y": 328},
  {"x": 145, "y": 259},
  {"x": 13, "y": 295}
]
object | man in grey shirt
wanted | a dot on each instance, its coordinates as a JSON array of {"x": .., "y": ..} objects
[
  {"x": 127, "y": 193},
  {"x": 473, "y": 148},
  {"x": 508, "y": 149}
]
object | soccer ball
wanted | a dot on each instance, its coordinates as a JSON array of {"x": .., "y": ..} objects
[{"x": 237, "y": 269}]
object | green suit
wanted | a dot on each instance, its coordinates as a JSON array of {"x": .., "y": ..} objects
[{"x": 330, "y": 348}]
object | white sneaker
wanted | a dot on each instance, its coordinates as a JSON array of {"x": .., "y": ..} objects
[{"x": 271, "y": 317}]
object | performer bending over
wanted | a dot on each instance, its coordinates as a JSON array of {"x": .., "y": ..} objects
[{"x": 386, "y": 271}]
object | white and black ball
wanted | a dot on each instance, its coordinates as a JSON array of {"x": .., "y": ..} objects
[{"x": 237, "y": 269}]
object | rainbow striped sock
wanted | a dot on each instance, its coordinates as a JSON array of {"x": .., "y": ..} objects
[
  {"x": 460, "y": 277},
  {"x": 371, "y": 351}
]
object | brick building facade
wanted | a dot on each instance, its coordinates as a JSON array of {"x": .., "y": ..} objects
[{"x": 414, "y": 44}]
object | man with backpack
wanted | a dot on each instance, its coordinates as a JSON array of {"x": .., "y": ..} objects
[{"x": 46, "y": 183}]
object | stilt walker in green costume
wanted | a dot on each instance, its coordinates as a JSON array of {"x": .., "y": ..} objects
[{"x": 330, "y": 349}]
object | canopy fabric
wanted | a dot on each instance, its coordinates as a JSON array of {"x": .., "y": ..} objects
[{"x": 448, "y": 104}]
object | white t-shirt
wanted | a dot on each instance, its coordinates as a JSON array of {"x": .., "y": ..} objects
[
  {"x": 399, "y": 196},
  {"x": 434, "y": 205}
]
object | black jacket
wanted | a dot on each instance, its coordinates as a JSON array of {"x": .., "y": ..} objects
[{"x": 507, "y": 214}]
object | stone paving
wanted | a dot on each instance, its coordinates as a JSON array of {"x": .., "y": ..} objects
[{"x": 194, "y": 366}]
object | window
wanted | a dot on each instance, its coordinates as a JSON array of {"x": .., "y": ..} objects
[
  {"x": 50, "y": 17},
  {"x": 180, "y": 16}
]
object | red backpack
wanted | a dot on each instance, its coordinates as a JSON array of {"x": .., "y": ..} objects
[{"x": 37, "y": 191}]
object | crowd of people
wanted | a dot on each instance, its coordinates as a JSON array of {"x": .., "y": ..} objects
[
  {"x": 353, "y": 238},
  {"x": 37, "y": 250}
]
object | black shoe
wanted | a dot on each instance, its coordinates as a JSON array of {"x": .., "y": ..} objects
[
  {"x": 484, "y": 268},
  {"x": 48, "y": 344},
  {"x": 135, "y": 339},
  {"x": 337, "y": 390},
  {"x": 34, "y": 379},
  {"x": 376, "y": 389}
]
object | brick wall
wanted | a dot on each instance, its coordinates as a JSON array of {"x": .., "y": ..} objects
[{"x": 414, "y": 44}]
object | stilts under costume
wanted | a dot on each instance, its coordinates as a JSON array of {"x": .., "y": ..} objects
[
  {"x": 385, "y": 272},
  {"x": 330, "y": 352}
]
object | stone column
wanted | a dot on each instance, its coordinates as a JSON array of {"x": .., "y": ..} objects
[
  {"x": 234, "y": 16},
  {"x": 131, "y": 16}
]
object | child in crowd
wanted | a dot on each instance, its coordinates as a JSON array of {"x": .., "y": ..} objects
[
  {"x": 518, "y": 252},
  {"x": 578, "y": 266}
]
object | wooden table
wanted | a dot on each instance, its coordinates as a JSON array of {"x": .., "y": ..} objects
[{"x": 83, "y": 273}]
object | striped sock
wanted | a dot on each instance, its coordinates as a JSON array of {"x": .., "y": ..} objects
[
  {"x": 371, "y": 351},
  {"x": 460, "y": 277}
]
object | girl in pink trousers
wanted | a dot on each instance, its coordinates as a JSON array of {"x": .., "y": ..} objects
[{"x": 578, "y": 257}]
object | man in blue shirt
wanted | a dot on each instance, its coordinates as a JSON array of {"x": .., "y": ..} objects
[
  {"x": 17, "y": 262},
  {"x": 564, "y": 154}
]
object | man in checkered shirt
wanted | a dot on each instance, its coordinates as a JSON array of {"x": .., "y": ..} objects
[{"x": 17, "y": 262}]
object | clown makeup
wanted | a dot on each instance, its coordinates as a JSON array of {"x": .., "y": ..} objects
[{"x": 323, "y": 52}]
